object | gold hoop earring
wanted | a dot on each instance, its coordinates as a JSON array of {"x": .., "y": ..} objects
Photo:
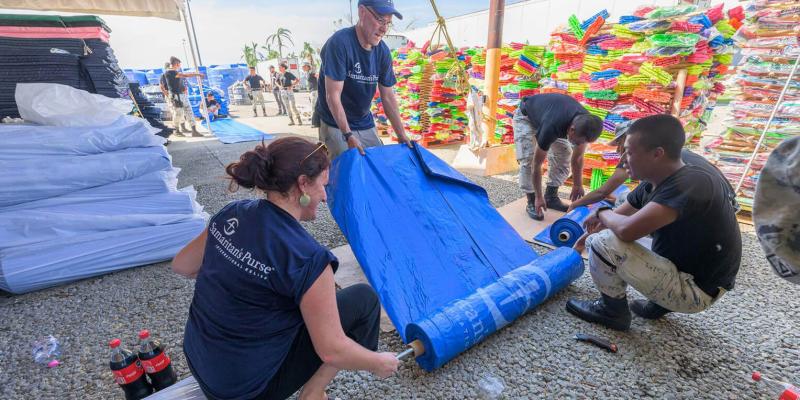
[{"x": 305, "y": 200}]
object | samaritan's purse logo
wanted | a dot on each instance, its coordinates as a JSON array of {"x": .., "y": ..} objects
[
  {"x": 357, "y": 68},
  {"x": 230, "y": 226}
]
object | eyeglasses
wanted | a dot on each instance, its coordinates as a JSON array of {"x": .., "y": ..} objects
[
  {"x": 381, "y": 21},
  {"x": 320, "y": 145}
]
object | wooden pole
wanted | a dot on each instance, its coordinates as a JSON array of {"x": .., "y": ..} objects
[
  {"x": 492, "y": 78},
  {"x": 677, "y": 98}
]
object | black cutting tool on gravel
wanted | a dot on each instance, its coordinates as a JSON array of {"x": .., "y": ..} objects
[{"x": 597, "y": 341}]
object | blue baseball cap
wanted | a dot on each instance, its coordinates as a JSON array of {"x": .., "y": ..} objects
[{"x": 383, "y": 7}]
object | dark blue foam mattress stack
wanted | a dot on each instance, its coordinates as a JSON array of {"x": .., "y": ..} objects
[
  {"x": 86, "y": 63},
  {"x": 149, "y": 110}
]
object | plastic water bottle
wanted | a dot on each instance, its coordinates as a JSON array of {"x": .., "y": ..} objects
[
  {"x": 47, "y": 351},
  {"x": 490, "y": 387},
  {"x": 785, "y": 391}
]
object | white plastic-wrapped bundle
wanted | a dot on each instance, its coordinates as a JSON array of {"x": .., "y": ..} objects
[
  {"x": 49, "y": 263},
  {"x": 35, "y": 141},
  {"x": 43, "y": 177},
  {"x": 25, "y": 227}
]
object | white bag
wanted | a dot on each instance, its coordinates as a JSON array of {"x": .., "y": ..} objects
[{"x": 61, "y": 105}]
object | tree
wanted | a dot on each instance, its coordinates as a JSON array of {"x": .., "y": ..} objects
[
  {"x": 309, "y": 53},
  {"x": 279, "y": 39},
  {"x": 271, "y": 53},
  {"x": 249, "y": 55}
]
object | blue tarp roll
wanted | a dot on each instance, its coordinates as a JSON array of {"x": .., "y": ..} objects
[
  {"x": 428, "y": 240},
  {"x": 467, "y": 321}
]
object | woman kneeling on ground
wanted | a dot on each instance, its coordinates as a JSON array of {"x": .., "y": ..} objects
[{"x": 266, "y": 319}]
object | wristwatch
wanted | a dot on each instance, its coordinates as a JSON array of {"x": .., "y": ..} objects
[
  {"x": 601, "y": 208},
  {"x": 346, "y": 135}
]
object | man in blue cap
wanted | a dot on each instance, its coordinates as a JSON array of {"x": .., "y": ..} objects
[{"x": 355, "y": 61}]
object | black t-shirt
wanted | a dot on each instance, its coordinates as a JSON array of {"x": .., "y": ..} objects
[
  {"x": 312, "y": 81},
  {"x": 695, "y": 159},
  {"x": 257, "y": 265},
  {"x": 704, "y": 241},
  {"x": 551, "y": 114},
  {"x": 254, "y": 81},
  {"x": 174, "y": 84},
  {"x": 286, "y": 79}
]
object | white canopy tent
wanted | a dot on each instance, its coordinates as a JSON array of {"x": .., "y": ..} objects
[{"x": 167, "y": 9}]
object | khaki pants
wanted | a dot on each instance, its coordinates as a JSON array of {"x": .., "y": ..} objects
[
  {"x": 258, "y": 98},
  {"x": 333, "y": 139},
  {"x": 615, "y": 264},
  {"x": 558, "y": 157},
  {"x": 287, "y": 97}
]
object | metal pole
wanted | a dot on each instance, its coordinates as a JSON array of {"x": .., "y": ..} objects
[
  {"x": 492, "y": 78},
  {"x": 199, "y": 80},
  {"x": 185, "y": 52},
  {"x": 194, "y": 34},
  {"x": 769, "y": 122}
]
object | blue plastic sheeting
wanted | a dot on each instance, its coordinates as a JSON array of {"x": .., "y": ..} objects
[
  {"x": 565, "y": 231},
  {"x": 195, "y": 97},
  {"x": 39, "y": 178},
  {"x": 32, "y": 141},
  {"x": 44, "y": 264},
  {"x": 229, "y": 131},
  {"x": 465, "y": 322},
  {"x": 25, "y": 227},
  {"x": 427, "y": 239},
  {"x": 154, "y": 183}
]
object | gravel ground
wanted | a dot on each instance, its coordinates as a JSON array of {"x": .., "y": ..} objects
[{"x": 707, "y": 355}]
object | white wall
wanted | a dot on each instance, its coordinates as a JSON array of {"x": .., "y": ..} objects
[{"x": 531, "y": 21}]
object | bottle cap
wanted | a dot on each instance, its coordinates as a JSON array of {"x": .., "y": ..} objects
[
  {"x": 53, "y": 364},
  {"x": 114, "y": 343},
  {"x": 756, "y": 376},
  {"x": 144, "y": 334}
]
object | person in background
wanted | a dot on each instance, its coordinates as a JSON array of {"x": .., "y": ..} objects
[
  {"x": 621, "y": 174},
  {"x": 313, "y": 82},
  {"x": 690, "y": 213},
  {"x": 287, "y": 82},
  {"x": 355, "y": 61},
  {"x": 212, "y": 106},
  {"x": 162, "y": 84},
  {"x": 276, "y": 89},
  {"x": 179, "y": 96},
  {"x": 548, "y": 126},
  {"x": 266, "y": 318},
  {"x": 255, "y": 85}
]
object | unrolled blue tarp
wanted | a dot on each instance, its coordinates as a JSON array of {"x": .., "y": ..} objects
[
  {"x": 436, "y": 251},
  {"x": 229, "y": 131}
]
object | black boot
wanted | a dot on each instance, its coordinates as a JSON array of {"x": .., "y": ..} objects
[
  {"x": 531, "y": 207},
  {"x": 607, "y": 311},
  {"x": 648, "y": 309},
  {"x": 552, "y": 200}
]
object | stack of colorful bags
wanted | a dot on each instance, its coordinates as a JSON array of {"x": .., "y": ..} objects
[
  {"x": 432, "y": 107},
  {"x": 769, "y": 46},
  {"x": 520, "y": 71},
  {"x": 628, "y": 70},
  {"x": 72, "y": 51}
]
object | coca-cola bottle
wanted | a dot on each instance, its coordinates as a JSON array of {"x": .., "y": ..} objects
[
  {"x": 784, "y": 390},
  {"x": 128, "y": 372},
  {"x": 156, "y": 362}
]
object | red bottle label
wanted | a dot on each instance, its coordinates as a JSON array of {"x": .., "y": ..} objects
[
  {"x": 128, "y": 374},
  {"x": 156, "y": 364}
]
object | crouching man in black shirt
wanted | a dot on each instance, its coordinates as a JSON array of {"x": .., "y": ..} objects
[{"x": 690, "y": 211}]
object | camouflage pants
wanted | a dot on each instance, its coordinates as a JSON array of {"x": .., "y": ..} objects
[
  {"x": 615, "y": 264},
  {"x": 558, "y": 157}
]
